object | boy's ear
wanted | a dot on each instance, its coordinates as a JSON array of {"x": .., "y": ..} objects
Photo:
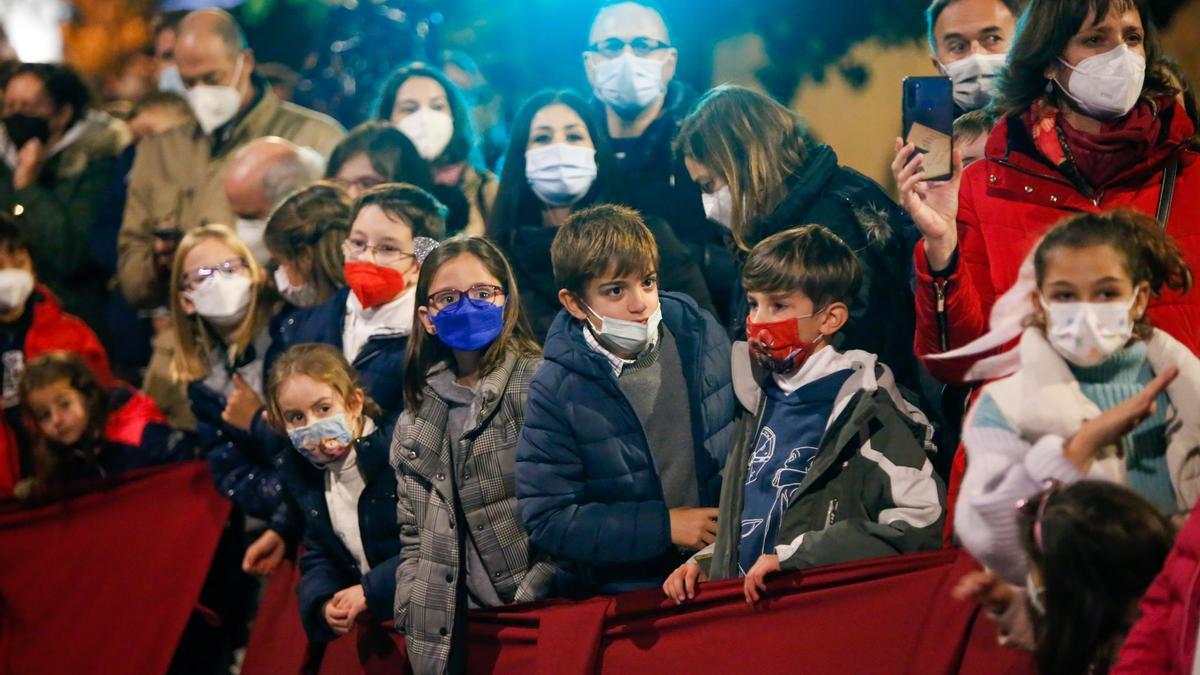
[
  {"x": 572, "y": 304},
  {"x": 836, "y": 316}
]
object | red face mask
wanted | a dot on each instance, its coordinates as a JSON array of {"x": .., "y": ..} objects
[
  {"x": 373, "y": 285},
  {"x": 777, "y": 346}
]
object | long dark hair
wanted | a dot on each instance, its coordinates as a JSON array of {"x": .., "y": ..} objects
[
  {"x": 516, "y": 204},
  {"x": 425, "y": 350},
  {"x": 1045, "y": 28},
  {"x": 463, "y": 146},
  {"x": 1097, "y": 546},
  {"x": 388, "y": 150},
  {"x": 66, "y": 367},
  {"x": 63, "y": 85}
]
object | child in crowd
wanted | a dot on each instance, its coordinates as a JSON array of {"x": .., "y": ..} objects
[
  {"x": 82, "y": 429},
  {"x": 465, "y": 387},
  {"x": 304, "y": 236},
  {"x": 630, "y": 419},
  {"x": 1094, "y": 393},
  {"x": 220, "y": 307},
  {"x": 829, "y": 463},
  {"x": 340, "y": 478},
  {"x": 393, "y": 227},
  {"x": 971, "y": 132},
  {"x": 32, "y": 323},
  {"x": 1093, "y": 548}
]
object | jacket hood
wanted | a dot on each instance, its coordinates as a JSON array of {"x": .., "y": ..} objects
[
  {"x": 870, "y": 376},
  {"x": 566, "y": 347}
]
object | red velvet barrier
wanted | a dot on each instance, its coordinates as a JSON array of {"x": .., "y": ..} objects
[
  {"x": 104, "y": 582},
  {"x": 893, "y": 615}
]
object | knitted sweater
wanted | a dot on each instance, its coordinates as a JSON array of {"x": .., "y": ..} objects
[{"x": 1015, "y": 434}]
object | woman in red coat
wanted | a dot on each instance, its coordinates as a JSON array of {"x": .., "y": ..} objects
[{"x": 1090, "y": 119}]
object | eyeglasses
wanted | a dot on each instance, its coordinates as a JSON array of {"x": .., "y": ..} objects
[
  {"x": 384, "y": 254},
  {"x": 228, "y": 268},
  {"x": 480, "y": 293},
  {"x": 641, "y": 46}
]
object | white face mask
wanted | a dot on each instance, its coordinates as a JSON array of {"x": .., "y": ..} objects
[
  {"x": 1087, "y": 333},
  {"x": 170, "y": 81},
  {"x": 15, "y": 287},
  {"x": 300, "y": 296},
  {"x": 718, "y": 206},
  {"x": 222, "y": 299},
  {"x": 215, "y": 105},
  {"x": 629, "y": 83},
  {"x": 429, "y": 130},
  {"x": 628, "y": 337},
  {"x": 974, "y": 79},
  {"x": 251, "y": 233},
  {"x": 560, "y": 174},
  {"x": 1106, "y": 86}
]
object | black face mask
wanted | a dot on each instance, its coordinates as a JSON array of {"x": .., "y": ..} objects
[{"x": 22, "y": 128}]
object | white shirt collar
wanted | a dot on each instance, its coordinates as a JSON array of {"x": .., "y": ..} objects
[{"x": 392, "y": 318}]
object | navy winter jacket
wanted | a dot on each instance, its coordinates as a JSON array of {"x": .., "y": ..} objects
[
  {"x": 586, "y": 483},
  {"x": 327, "y": 566},
  {"x": 380, "y": 363}
]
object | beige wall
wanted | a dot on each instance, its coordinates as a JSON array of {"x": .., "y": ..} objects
[{"x": 862, "y": 125}]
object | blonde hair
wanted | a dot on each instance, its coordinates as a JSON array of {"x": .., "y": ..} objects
[
  {"x": 751, "y": 142},
  {"x": 193, "y": 338},
  {"x": 322, "y": 363}
]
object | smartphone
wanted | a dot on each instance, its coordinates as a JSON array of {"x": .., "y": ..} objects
[{"x": 928, "y": 109}]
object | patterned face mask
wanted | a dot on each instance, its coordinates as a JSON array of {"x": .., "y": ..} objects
[
  {"x": 1087, "y": 333},
  {"x": 324, "y": 441}
]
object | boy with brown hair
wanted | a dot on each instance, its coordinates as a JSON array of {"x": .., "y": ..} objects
[
  {"x": 630, "y": 417},
  {"x": 829, "y": 463}
]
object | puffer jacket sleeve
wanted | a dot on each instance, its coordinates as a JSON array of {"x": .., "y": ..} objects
[
  {"x": 904, "y": 499},
  {"x": 1164, "y": 638},
  {"x": 967, "y": 295},
  {"x": 242, "y": 463},
  {"x": 553, "y": 498},
  {"x": 319, "y": 581}
]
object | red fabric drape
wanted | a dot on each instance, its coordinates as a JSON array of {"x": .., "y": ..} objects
[
  {"x": 104, "y": 582},
  {"x": 893, "y": 615}
]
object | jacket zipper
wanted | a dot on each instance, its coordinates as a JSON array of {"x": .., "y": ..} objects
[{"x": 939, "y": 292}]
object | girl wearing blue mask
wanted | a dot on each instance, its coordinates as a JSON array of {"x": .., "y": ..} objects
[
  {"x": 466, "y": 381},
  {"x": 340, "y": 478}
]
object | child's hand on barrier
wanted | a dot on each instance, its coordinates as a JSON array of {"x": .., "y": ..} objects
[
  {"x": 756, "y": 577},
  {"x": 985, "y": 588},
  {"x": 681, "y": 585}
]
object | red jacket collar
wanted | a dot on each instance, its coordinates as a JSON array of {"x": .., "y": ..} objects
[
  {"x": 1009, "y": 144},
  {"x": 47, "y": 308}
]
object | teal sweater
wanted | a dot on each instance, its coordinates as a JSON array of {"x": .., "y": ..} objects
[{"x": 1123, "y": 375}]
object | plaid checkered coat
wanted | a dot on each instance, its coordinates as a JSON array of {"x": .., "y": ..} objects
[{"x": 428, "y": 576}]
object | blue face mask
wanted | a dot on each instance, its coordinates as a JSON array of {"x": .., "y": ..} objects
[
  {"x": 469, "y": 325},
  {"x": 324, "y": 441}
]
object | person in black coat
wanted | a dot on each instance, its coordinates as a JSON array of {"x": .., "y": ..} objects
[
  {"x": 338, "y": 473},
  {"x": 747, "y": 153},
  {"x": 641, "y": 115},
  {"x": 559, "y": 160}
]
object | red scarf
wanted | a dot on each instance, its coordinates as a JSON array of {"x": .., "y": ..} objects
[{"x": 1100, "y": 157}]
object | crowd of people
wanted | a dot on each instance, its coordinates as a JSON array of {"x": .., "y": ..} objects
[{"x": 663, "y": 338}]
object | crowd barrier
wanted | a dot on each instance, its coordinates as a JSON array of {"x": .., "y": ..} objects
[{"x": 104, "y": 583}]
